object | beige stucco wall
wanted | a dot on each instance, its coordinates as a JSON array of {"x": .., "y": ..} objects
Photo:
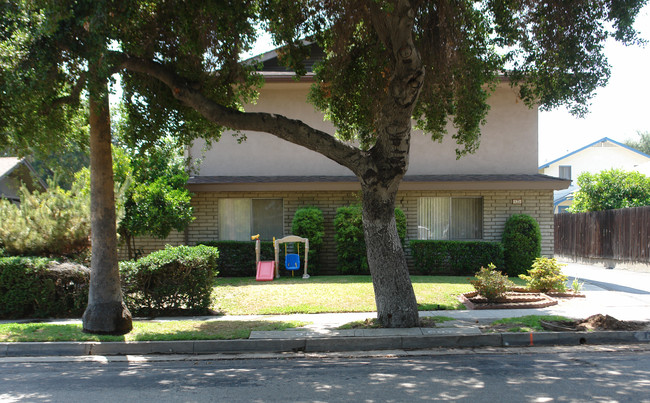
[
  {"x": 508, "y": 142},
  {"x": 497, "y": 205},
  {"x": 599, "y": 157}
]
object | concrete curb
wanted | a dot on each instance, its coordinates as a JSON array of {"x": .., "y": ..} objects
[{"x": 323, "y": 344}]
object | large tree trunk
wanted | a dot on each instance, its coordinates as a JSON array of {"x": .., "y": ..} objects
[
  {"x": 394, "y": 296},
  {"x": 380, "y": 170},
  {"x": 106, "y": 312}
]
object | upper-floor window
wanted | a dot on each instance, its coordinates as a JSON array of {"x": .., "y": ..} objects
[
  {"x": 450, "y": 218},
  {"x": 241, "y": 218},
  {"x": 565, "y": 172}
]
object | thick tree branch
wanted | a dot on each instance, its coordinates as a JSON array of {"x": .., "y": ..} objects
[
  {"x": 71, "y": 99},
  {"x": 391, "y": 150},
  {"x": 294, "y": 131}
]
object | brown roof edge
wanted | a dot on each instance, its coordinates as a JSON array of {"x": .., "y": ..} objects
[{"x": 350, "y": 183}]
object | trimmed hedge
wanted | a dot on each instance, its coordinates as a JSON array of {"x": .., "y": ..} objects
[
  {"x": 308, "y": 222},
  {"x": 350, "y": 240},
  {"x": 237, "y": 258},
  {"x": 41, "y": 288},
  {"x": 522, "y": 243},
  {"x": 457, "y": 258},
  {"x": 170, "y": 281}
]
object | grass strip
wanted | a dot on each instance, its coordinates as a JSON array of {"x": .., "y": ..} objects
[
  {"x": 529, "y": 323},
  {"x": 143, "y": 331},
  {"x": 373, "y": 323}
]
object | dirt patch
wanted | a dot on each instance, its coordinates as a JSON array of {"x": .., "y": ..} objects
[{"x": 595, "y": 322}]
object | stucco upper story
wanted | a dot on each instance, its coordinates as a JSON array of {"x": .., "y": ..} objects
[
  {"x": 508, "y": 142},
  {"x": 595, "y": 157}
]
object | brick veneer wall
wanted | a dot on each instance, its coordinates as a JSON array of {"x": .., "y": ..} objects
[{"x": 497, "y": 207}]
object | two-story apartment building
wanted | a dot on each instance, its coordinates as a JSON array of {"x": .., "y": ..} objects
[{"x": 256, "y": 186}]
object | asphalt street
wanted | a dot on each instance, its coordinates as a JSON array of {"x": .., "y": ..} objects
[{"x": 578, "y": 374}]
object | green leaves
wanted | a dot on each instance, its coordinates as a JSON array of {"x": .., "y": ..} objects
[
  {"x": 611, "y": 189},
  {"x": 156, "y": 200},
  {"x": 545, "y": 275},
  {"x": 522, "y": 243},
  {"x": 53, "y": 222},
  {"x": 490, "y": 283},
  {"x": 170, "y": 280}
]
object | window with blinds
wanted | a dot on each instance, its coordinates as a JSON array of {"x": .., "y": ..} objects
[
  {"x": 241, "y": 218},
  {"x": 450, "y": 218}
]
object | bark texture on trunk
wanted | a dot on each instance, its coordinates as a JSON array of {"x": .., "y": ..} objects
[
  {"x": 106, "y": 312},
  {"x": 380, "y": 169},
  {"x": 394, "y": 295}
]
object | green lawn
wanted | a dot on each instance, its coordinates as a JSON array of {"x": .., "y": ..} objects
[
  {"x": 245, "y": 296},
  {"x": 143, "y": 331}
]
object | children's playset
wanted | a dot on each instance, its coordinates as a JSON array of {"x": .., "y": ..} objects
[{"x": 267, "y": 270}]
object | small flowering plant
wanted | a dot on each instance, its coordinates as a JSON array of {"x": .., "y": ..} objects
[{"x": 490, "y": 283}]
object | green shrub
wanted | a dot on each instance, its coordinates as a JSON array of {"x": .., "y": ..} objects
[
  {"x": 546, "y": 275},
  {"x": 522, "y": 243},
  {"x": 350, "y": 240},
  {"x": 170, "y": 281},
  {"x": 237, "y": 258},
  {"x": 308, "y": 222},
  {"x": 456, "y": 258},
  {"x": 611, "y": 189},
  {"x": 55, "y": 222},
  {"x": 490, "y": 283},
  {"x": 40, "y": 288}
]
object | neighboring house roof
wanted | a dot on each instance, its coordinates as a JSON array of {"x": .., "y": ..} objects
[
  {"x": 410, "y": 182},
  {"x": 13, "y": 169},
  {"x": 8, "y": 164},
  {"x": 604, "y": 139},
  {"x": 560, "y": 196}
]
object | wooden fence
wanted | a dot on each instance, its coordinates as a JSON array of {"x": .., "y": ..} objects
[{"x": 622, "y": 234}]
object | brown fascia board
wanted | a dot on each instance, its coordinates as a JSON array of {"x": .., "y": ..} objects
[
  {"x": 286, "y": 77},
  {"x": 413, "y": 183},
  {"x": 290, "y": 76}
]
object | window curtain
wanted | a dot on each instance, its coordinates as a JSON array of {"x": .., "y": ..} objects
[
  {"x": 450, "y": 218},
  {"x": 235, "y": 219}
]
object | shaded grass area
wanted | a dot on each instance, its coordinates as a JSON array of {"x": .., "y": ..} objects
[
  {"x": 525, "y": 324},
  {"x": 286, "y": 295},
  {"x": 373, "y": 323},
  {"x": 143, "y": 331}
]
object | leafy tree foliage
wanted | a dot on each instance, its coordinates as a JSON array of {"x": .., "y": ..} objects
[
  {"x": 611, "y": 189},
  {"x": 155, "y": 200},
  {"x": 642, "y": 144},
  {"x": 388, "y": 62}
]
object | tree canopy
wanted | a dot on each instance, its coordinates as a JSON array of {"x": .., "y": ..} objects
[
  {"x": 642, "y": 143},
  {"x": 387, "y": 62}
]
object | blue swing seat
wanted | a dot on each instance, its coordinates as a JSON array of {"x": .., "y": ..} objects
[{"x": 292, "y": 261}]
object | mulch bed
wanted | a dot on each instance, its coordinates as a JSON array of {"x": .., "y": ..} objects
[{"x": 516, "y": 298}]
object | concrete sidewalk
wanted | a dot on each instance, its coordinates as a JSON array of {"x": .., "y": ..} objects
[{"x": 623, "y": 295}]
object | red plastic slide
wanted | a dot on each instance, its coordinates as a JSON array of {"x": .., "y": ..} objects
[{"x": 265, "y": 271}]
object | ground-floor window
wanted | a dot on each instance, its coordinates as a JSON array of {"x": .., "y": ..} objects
[
  {"x": 241, "y": 218},
  {"x": 450, "y": 218}
]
